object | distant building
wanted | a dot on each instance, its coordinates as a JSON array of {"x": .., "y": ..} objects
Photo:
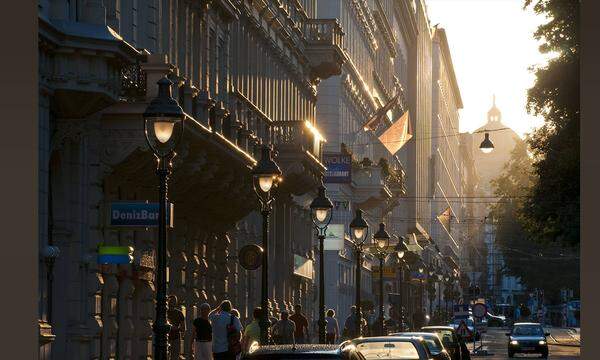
[{"x": 499, "y": 287}]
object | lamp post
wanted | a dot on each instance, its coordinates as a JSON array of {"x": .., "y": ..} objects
[
  {"x": 421, "y": 271},
  {"x": 431, "y": 289},
  {"x": 440, "y": 277},
  {"x": 321, "y": 215},
  {"x": 359, "y": 230},
  {"x": 266, "y": 175},
  {"x": 402, "y": 249},
  {"x": 163, "y": 128},
  {"x": 447, "y": 290},
  {"x": 382, "y": 241}
]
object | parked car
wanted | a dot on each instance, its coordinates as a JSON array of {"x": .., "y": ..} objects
[
  {"x": 302, "y": 351},
  {"x": 527, "y": 338},
  {"x": 391, "y": 347},
  {"x": 449, "y": 338},
  {"x": 433, "y": 343},
  {"x": 495, "y": 320}
]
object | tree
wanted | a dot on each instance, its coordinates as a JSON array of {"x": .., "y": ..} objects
[
  {"x": 538, "y": 265},
  {"x": 551, "y": 214}
]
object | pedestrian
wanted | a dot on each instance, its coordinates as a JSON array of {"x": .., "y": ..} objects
[
  {"x": 203, "y": 335},
  {"x": 252, "y": 331},
  {"x": 225, "y": 326},
  {"x": 284, "y": 329},
  {"x": 301, "y": 334},
  {"x": 351, "y": 324},
  {"x": 331, "y": 328},
  {"x": 235, "y": 337},
  {"x": 177, "y": 321}
]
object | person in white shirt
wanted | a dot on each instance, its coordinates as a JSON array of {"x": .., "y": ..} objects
[
  {"x": 220, "y": 319},
  {"x": 331, "y": 328}
]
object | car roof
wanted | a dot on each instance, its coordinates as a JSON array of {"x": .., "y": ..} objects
[
  {"x": 295, "y": 349},
  {"x": 437, "y": 328},
  {"x": 383, "y": 338},
  {"x": 527, "y": 323},
  {"x": 416, "y": 334}
]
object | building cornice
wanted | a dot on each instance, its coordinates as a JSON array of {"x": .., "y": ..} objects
[
  {"x": 406, "y": 20},
  {"x": 439, "y": 36}
]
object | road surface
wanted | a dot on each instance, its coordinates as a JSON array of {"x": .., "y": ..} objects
[{"x": 563, "y": 345}]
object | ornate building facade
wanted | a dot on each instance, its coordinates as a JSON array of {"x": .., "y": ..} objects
[{"x": 246, "y": 74}]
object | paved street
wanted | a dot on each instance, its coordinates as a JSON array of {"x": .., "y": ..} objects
[{"x": 495, "y": 342}]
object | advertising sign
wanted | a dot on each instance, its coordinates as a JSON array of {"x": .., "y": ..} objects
[
  {"x": 389, "y": 272},
  {"x": 339, "y": 168},
  {"x": 137, "y": 214},
  {"x": 334, "y": 237},
  {"x": 303, "y": 266}
]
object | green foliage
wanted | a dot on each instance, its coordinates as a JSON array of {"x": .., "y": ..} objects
[
  {"x": 551, "y": 214},
  {"x": 538, "y": 265}
]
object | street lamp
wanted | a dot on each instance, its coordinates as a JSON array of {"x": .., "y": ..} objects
[
  {"x": 486, "y": 145},
  {"x": 163, "y": 128},
  {"x": 321, "y": 215},
  {"x": 359, "y": 230},
  {"x": 266, "y": 175},
  {"x": 421, "y": 271},
  {"x": 382, "y": 241},
  {"x": 440, "y": 280},
  {"x": 402, "y": 250},
  {"x": 431, "y": 289}
]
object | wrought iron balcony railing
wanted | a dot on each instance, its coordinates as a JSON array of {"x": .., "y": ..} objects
[
  {"x": 323, "y": 32},
  {"x": 298, "y": 135}
]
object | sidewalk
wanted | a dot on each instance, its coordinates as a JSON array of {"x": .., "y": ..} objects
[{"x": 564, "y": 337}]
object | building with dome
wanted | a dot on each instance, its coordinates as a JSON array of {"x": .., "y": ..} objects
[
  {"x": 490, "y": 166},
  {"x": 500, "y": 288}
]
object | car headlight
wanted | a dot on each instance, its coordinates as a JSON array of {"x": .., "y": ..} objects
[
  {"x": 514, "y": 342},
  {"x": 542, "y": 342}
]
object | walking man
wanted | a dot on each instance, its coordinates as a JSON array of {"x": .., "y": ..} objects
[
  {"x": 301, "y": 323},
  {"x": 284, "y": 329},
  {"x": 221, "y": 318},
  {"x": 351, "y": 325},
  {"x": 203, "y": 335}
]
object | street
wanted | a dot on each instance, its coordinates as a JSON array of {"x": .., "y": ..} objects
[{"x": 561, "y": 345}]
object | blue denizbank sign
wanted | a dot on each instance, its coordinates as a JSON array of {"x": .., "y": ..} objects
[
  {"x": 339, "y": 168},
  {"x": 137, "y": 214}
]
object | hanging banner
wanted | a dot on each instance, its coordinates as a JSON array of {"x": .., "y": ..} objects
[
  {"x": 397, "y": 135},
  {"x": 303, "y": 266},
  {"x": 334, "y": 237},
  {"x": 339, "y": 168}
]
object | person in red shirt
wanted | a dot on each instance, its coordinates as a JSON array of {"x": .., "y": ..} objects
[{"x": 301, "y": 322}]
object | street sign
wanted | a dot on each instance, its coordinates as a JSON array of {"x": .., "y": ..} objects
[
  {"x": 479, "y": 310},
  {"x": 250, "y": 257},
  {"x": 463, "y": 330},
  {"x": 143, "y": 214}
]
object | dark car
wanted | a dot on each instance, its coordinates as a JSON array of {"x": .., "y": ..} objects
[
  {"x": 302, "y": 351},
  {"x": 433, "y": 343},
  {"x": 449, "y": 338},
  {"x": 391, "y": 347},
  {"x": 495, "y": 321},
  {"x": 527, "y": 338}
]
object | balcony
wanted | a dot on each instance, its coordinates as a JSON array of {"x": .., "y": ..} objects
[
  {"x": 298, "y": 145},
  {"x": 323, "y": 47},
  {"x": 371, "y": 188}
]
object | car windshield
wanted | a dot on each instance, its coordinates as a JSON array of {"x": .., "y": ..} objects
[
  {"x": 528, "y": 330},
  {"x": 388, "y": 350},
  {"x": 444, "y": 335},
  {"x": 432, "y": 345}
]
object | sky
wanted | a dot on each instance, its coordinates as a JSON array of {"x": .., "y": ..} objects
[{"x": 492, "y": 46}]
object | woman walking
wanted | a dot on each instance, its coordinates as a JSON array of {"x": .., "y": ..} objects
[{"x": 331, "y": 328}]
